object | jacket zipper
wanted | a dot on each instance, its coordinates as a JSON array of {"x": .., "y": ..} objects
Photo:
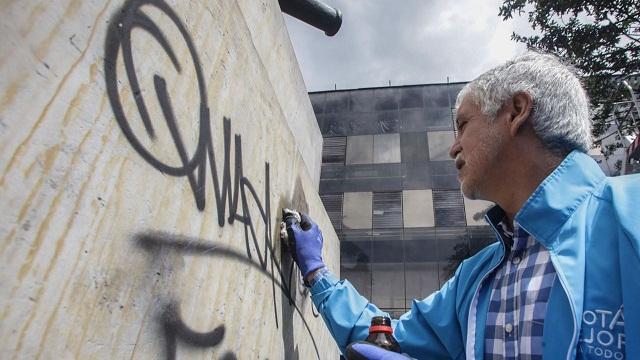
[
  {"x": 573, "y": 312},
  {"x": 566, "y": 291},
  {"x": 475, "y": 294}
]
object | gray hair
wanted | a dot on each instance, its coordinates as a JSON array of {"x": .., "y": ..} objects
[{"x": 560, "y": 115}]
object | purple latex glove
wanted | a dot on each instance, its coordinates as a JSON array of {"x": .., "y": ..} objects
[
  {"x": 307, "y": 240},
  {"x": 362, "y": 350}
]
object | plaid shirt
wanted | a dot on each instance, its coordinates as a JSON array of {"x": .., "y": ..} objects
[{"x": 519, "y": 295}]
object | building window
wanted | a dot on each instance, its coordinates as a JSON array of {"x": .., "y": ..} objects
[
  {"x": 333, "y": 205},
  {"x": 387, "y": 210},
  {"x": 449, "y": 208},
  {"x": 333, "y": 150},
  {"x": 413, "y": 147}
]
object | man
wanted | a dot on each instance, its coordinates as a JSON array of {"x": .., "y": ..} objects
[{"x": 563, "y": 281}]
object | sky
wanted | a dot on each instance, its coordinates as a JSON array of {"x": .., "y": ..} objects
[{"x": 405, "y": 42}]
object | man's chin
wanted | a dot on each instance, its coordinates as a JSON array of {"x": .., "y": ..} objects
[{"x": 468, "y": 191}]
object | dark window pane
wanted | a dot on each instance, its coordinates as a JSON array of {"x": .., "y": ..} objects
[
  {"x": 379, "y": 177},
  {"x": 333, "y": 205},
  {"x": 359, "y": 276},
  {"x": 393, "y": 184},
  {"x": 418, "y": 176},
  {"x": 333, "y": 124},
  {"x": 453, "y": 247},
  {"x": 422, "y": 280},
  {"x": 438, "y": 119},
  {"x": 444, "y": 182},
  {"x": 411, "y": 97},
  {"x": 413, "y": 120},
  {"x": 374, "y": 171},
  {"x": 362, "y": 101},
  {"x": 363, "y": 123},
  {"x": 355, "y": 252},
  {"x": 420, "y": 245},
  {"x": 387, "y": 289},
  {"x": 437, "y": 96},
  {"x": 317, "y": 101},
  {"x": 386, "y": 99},
  {"x": 333, "y": 149},
  {"x": 444, "y": 175},
  {"x": 355, "y": 235},
  {"x": 387, "y": 210},
  {"x": 332, "y": 172},
  {"x": 387, "y": 251},
  {"x": 413, "y": 147},
  {"x": 387, "y": 122},
  {"x": 337, "y": 102},
  {"x": 387, "y": 235},
  {"x": 421, "y": 263},
  {"x": 448, "y": 206}
]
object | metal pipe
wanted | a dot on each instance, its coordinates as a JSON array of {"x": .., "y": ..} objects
[{"x": 314, "y": 13}]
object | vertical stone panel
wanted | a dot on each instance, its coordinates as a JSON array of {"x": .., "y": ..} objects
[{"x": 147, "y": 148}]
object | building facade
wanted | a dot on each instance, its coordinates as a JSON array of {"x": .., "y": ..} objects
[{"x": 391, "y": 190}]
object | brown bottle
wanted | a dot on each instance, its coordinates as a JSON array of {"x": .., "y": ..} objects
[{"x": 380, "y": 334}]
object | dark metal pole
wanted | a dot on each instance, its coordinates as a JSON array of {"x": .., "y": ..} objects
[{"x": 314, "y": 13}]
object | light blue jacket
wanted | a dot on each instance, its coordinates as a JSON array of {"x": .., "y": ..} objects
[{"x": 591, "y": 226}]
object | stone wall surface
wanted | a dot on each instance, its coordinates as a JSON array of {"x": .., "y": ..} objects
[{"x": 146, "y": 149}]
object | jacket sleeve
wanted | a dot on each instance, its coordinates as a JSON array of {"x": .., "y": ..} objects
[{"x": 429, "y": 330}]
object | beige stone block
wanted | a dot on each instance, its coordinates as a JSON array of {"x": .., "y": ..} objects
[
  {"x": 386, "y": 148},
  {"x": 359, "y": 149},
  {"x": 417, "y": 208},
  {"x": 357, "y": 210},
  {"x": 439, "y": 144}
]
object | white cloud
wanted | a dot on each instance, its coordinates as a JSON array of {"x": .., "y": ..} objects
[{"x": 405, "y": 42}]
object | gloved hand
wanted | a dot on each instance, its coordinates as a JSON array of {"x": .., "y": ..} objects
[
  {"x": 362, "y": 350},
  {"x": 306, "y": 242}
]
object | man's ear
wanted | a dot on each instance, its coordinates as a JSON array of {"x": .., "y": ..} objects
[{"x": 521, "y": 107}]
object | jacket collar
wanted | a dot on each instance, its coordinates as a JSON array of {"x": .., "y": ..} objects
[{"x": 555, "y": 199}]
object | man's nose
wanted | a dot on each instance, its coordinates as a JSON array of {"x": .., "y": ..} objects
[{"x": 455, "y": 148}]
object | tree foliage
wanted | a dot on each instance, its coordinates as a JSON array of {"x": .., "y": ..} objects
[{"x": 601, "y": 38}]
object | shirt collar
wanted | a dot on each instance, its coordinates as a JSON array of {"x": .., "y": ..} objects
[{"x": 517, "y": 239}]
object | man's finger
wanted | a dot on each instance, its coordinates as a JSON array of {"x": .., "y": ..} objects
[{"x": 305, "y": 221}]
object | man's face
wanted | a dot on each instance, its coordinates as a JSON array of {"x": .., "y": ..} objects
[{"x": 476, "y": 150}]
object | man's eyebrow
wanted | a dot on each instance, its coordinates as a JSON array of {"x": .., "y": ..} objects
[{"x": 459, "y": 118}]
